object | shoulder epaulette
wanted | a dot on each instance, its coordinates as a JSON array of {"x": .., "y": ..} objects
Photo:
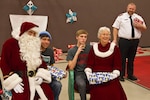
[{"x": 120, "y": 14}]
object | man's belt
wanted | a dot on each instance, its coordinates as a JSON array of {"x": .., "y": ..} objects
[{"x": 129, "y": 39}]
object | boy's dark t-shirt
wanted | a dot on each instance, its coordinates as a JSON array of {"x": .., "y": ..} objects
[
  {"x": 82, "y": 59},
  {"x": 48, "y": 56}
]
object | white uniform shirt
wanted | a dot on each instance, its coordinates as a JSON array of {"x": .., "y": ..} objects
[{"x": 123, "y": 24}]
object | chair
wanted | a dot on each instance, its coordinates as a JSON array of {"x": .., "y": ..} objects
[{"x": 72, "y": 87}]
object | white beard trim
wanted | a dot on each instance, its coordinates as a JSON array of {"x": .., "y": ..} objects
[
  {"x": 103, "y": 54},
  {"x": 30, "y": 50}
]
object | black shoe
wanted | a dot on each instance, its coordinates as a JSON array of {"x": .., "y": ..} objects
[
  {"x": 133, "y": 78},
  {"x": 121, "y": 79}
]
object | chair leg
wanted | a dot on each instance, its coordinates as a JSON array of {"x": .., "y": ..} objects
[{"x": 71, "y": 85}]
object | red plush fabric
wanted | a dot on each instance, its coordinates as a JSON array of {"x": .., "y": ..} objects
[{"x": 11, "y": 62}]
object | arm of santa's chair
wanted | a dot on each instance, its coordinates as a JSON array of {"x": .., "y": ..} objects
[{"x": 70, "y": 83}]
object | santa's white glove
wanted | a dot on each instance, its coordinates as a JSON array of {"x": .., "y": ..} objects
[
  {"x": 19, "y": 88},
  {"x": 38, "y": 80},
  {"x": 88, "y": 72}
]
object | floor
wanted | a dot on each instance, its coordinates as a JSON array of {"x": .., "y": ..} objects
[{"x": 132, "y": 90}]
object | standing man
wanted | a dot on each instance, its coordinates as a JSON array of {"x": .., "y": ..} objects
[
  {"x": 24, "y": 71},
  {"x": 48, "y": 56},
  {"x": 128, "y": 27},
  {"x": 77, "y": 57}
]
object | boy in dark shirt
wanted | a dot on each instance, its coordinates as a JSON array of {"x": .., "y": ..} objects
[
  {"x": 48, "y": 56},
  {"x": 77, "y": 57}
]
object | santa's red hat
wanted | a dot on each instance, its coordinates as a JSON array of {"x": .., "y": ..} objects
[{"x": 26, "y": 26}]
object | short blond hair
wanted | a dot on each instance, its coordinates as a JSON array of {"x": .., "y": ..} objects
[
  {"x": 81, "y": 31},
  {"x": 131, "y": 3}
]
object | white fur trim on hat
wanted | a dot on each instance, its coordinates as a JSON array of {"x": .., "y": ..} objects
[
  {"x": 44, "y": 73},
  {"x": 36, "y": 29},
  {"x": 103, "y": 54},
  {"x": 15, "y": 33},
  {"x": 11, "y": 81}
]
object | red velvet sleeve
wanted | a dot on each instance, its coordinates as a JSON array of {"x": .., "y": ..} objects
[
  {"x": 117, "y": 59},
  {"x": 43, "y": 65},
  {"x": 6, "y": 56}
]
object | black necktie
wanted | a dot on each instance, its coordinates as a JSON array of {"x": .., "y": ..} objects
[{"x": 132, "y": 27}]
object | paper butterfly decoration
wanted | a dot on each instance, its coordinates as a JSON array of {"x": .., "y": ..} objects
[
  {"x": 71, "y": 17},
  {"x": 29, "y": 7}
]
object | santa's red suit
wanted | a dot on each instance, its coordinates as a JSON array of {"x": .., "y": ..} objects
[{"x": 17, "y": 69}]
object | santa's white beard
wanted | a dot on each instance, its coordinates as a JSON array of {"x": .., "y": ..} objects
[{"x": 30, "y": 51}]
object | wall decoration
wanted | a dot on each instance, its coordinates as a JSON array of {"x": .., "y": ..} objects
[
  {"x": 29, "y": 7},
  {"x": 71, "y": 16},
  {"x": 17, "y": 20}
]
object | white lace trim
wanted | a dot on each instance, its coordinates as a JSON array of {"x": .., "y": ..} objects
[{"x": 103, "y": 54}]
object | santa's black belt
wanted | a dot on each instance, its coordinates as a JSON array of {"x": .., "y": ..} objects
[{"x": 30, "y": 73}]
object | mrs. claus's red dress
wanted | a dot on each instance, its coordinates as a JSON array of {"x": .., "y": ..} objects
[{"x": 106, "y": 62}]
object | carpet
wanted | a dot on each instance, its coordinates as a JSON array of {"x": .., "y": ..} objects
[
  {"x": 142, "y": 71},
  {"x": 142, "y": 51}
]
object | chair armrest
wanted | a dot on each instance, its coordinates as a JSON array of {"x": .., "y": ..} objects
[{"x": 71, "y": 84}]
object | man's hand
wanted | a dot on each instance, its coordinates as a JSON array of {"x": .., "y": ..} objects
[
  {"x": 80, "y": 48},
  {"x": 65, "y": 74},
  {"x": 114, "y": 41}
]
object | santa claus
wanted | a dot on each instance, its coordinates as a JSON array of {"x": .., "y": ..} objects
[{"x": 25, "y": 74}]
